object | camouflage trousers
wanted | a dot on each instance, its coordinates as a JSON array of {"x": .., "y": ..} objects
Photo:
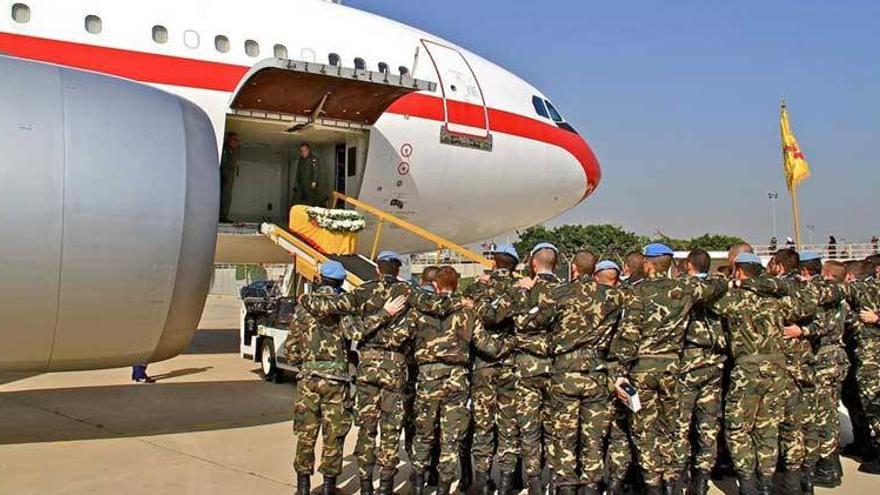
[
  {"x": 752, "y": 412},
  {"x": 868, "y": 377},
  {"x": 532, "y": 394},
  {"x": 831, "y": 368},
  {"x": 798, "y": 432},
  {"x": 655, "y": 426},
  {"x": 578, "y": 418},
  {"x": 378, "y": 407},
  {"x": 320, "y": 404},
  {"x": 441, "y": 399},
  {"x": 493, "y": 392},
  {"x": 700, "y": 419},
  {"x": 618, "y": 444}
]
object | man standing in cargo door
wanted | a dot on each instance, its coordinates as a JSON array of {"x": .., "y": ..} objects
[{"x": 310, "y": 186}]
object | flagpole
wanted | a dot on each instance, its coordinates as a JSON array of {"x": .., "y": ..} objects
[{"x": 796, "y": 217}]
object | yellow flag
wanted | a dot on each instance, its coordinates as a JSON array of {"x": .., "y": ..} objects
[{"x": 795, "y": 165}]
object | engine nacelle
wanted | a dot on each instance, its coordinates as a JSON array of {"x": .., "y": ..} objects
[{"x": 109, "y": 194}]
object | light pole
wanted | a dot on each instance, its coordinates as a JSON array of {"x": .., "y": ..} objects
[{"x": 772, "y": 196}]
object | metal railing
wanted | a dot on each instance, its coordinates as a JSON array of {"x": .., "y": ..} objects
[
  {"x": 384, "y": 217},
  {"x": 841, "y": 251}
]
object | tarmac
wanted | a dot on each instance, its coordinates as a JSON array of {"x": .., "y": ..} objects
[{"x": 209, "y": 425}]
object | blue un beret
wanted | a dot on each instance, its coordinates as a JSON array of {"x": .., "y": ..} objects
[
  {"x": 333, "y": 269},
  {"x": 507, "y": 249},
  {"x": 657, "y": 249},
  {"x": 543, "y": 245},
  {"x": 389, "y": 256},
  {"x": 607, "y": 265},
  {"x": 809, "y": 256},
  {"x": 745, "y": 257}
]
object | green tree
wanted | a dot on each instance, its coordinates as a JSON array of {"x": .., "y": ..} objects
[
  {"x": 607, "y": 241},
  {"x": 714, "y": 242}
]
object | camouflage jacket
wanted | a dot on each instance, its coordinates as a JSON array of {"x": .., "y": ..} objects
[
  {"x": 655, "y": 317},
  {"x": 319, "y": 341},
  {"x": 582, "y": 316},
  {"x": 368, "y": 300},
  {"x": 495, "y": 313},
  {"x": 754, "y": 323},
  {"x": 863, "y": 294},
  {"x": 828, "y": 327},
  {"x": 445, "y": 337},
  {"x": 705, "y": 343},
  {"x": 533, "y": 355}
]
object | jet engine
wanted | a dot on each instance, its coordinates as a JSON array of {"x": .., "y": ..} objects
[{"x": 109, "y": 193}]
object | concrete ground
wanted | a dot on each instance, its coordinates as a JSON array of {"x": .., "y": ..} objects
[{"x": 209, "y": 426}]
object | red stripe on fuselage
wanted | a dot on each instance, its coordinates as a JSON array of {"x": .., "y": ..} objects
[{"x": 177, "y": 71}]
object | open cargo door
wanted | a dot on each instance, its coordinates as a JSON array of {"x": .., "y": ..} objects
[{"x": 320, "y": 94}]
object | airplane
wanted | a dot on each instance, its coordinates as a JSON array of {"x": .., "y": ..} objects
[{"x": 113, "y": 119}]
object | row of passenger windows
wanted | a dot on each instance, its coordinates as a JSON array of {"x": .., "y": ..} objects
[
  {"x": 546, "y": 109},
  {"x": 21, "y": 13}
]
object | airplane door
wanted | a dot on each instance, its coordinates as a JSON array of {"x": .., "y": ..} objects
[{"x": 463, "y": 99}]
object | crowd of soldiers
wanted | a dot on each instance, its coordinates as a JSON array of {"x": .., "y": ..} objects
[{"x": 740, "y": 367}]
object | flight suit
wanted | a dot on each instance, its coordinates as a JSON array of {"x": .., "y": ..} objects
[{"x": 311, "y": 187}]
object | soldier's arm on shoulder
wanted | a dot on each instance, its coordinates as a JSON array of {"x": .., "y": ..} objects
[
  {"x": 710, "y": 289},
  {"x": 625, "y": 344},
  {"x": 767, "y": 286},
  {"x": 330, "y": 304},
  {"x": 830, "y": 292},
  {"x": 545, "y": 312},
  {"x": 488, "y": 344},
  {"x": 361, "y": 327}
]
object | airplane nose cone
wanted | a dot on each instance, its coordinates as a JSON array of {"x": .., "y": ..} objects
[{"x": 572, "y": 141}]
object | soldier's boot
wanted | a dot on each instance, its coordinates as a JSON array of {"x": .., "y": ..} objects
[
  {"x": 367, "y": 485},
  {"x": 825, "y": 473},
  {"x": 700, "y": 482},
  {"x": 329, "y": 485},
  {"x": 791, "y": 483},
  {"x": 675, "y": 487},
  {"x": 838, "y": 468},
  {"x": 481, "y": 484},
  {"x": 303, "y": 484},
  {"x": 763, "y": 484},
  {"x": 807, "y": 481},
  {"x": 747, "y": 485},
  {"x": 505, "y": 487},
  {"x": 653, "y": 489},
  {"x": 535, "y": 487},
  {"x": 589, "y": 490},
  {"x": 443, "y": 487},
  {"x": 386, "y": 484},
  {"x": 615, "y": 487},
  {"x": 418, "y": 482},
  {"x": 567, "y": 490}
]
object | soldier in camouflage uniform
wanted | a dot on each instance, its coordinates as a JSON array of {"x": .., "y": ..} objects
[
  {"x": 442, "y": 351},
  {"x": 702, "y": 365},
  {"x": 534, "y": 363},
  {"x": 865, "y": 295},
  {"x": 318, "y": 343},
  {"x": 755, "y": 400},
  {"x": 582, "y": 315},
  {"x": 618, "y": 444},
  {"x": 648, "y": 347},
  {"x": 831, "y": 368},
  {"x": 426, "y": 280},
  {"x": 493, "y": 392},
  {"x": 381, "y": 371},
  {"x": 861, "y": 446}
]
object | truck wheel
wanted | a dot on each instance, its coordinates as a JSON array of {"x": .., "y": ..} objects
[{"x": 268, "y": 369}]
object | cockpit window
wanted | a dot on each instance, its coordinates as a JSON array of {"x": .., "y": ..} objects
[
  {"x": 553, "y": 113},
  {"x": 539, "y": 107}
]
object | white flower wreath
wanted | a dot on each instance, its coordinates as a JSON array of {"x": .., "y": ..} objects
[{"x": 337, "y": 220}]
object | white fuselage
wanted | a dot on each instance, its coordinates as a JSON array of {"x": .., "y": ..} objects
[{"x": 535, "y": 170}]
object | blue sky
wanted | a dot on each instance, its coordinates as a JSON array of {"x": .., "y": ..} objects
[{"x": 680, "y": 102}]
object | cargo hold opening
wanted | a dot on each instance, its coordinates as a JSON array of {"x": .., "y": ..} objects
[{"x": 281, "y": 105}]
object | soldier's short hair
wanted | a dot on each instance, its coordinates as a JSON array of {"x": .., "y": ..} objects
[
  {"x": 857, "y": 268},
  {"x": 585, "y": 261},
  {"x": 814, "y": 267},
  {"x": 750, "y": 269},
  {"x": 446, "y": 278},
  {"x": 700, "y": 260},
  {"x": 428, "y": 274},
  {"x": 305, "y": 145},
  {"x": 546, "y": 259},
  {"x": 505, "y": 261},
  {"x": 788, "y": 259},
  {"x": 633, "y": 262},
  {"x": 662, "y": 263},
  {"x": 836, "y": 269},
  {"x": 389, "y": 268}
]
